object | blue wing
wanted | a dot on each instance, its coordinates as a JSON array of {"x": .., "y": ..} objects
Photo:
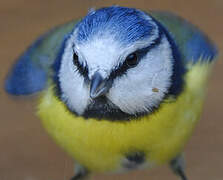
[
  {"x": 193, "y": 44},
  {"x": 199, "y": 47},
  {"x": 30, "y": 72},
  {"x": 26, "y": 77}
]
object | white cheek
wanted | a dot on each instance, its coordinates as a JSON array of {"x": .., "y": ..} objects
[
  {"x": 74, "y": 91},
  {"x": 134, "y": 92}
]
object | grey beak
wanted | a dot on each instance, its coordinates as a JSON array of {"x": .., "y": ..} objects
[{"x": 98, "y": 86}]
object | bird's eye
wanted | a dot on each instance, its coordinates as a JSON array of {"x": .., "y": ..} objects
[
  {"x": 75, "y": 58},
  {"x": 132, "y": 60}
]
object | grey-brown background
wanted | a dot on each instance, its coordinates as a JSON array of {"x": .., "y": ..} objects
[{"x": 27, "y": 153}]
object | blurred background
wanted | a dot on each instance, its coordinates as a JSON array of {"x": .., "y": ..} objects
[{"x": 26, "y": 151}]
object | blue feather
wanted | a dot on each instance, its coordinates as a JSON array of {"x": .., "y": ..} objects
[
  {"x": 200, "y": 47},
  {"x": 32, "y": 69},
  {"x": 193, "y": 44},
  {"x": 26, "y": 77},
  {"x": 127, "y": 25}
]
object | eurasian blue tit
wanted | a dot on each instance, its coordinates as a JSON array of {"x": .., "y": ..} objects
[{"x": 120, "y": 89}]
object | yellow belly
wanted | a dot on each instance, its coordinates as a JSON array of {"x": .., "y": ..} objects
[{"x": 101, "y": 145}]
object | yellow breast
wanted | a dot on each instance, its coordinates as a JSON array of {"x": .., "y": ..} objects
[{"x": 101, "y": 145}]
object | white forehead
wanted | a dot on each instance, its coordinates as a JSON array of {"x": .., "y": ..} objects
[{"x": 100, "y": 54}]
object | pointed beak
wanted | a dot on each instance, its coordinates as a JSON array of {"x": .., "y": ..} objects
[{"x": 99, "y": 86}]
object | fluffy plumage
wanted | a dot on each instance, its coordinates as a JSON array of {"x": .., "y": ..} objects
[
  {"x": 101, "y": 146},
  {"x": 152, "y": 71}
]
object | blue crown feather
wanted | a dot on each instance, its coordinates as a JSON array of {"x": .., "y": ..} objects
[{"x": 127, "y": 25}]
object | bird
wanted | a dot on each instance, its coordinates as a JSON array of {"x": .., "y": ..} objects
[{"x": 119, "y": 89}]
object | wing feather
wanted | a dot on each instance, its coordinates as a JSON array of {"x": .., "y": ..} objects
[
  {"x": 193, "y": 44},
  {"x": 30, "y": 72}
]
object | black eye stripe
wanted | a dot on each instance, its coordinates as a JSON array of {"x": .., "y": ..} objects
[
  {"x": 121, "y": 69},
  {"x": 75, "y": 58},
  {"x": 83, "y": 70}
]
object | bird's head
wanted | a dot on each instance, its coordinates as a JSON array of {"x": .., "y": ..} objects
[{"x": 117, "y": 62}]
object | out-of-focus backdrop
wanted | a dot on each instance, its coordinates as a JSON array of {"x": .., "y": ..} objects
[{"x": 27, "y": 153}]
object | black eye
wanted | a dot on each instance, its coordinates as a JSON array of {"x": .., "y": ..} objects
[
  {"x": 75, "y": 59},
  {"x": 132, "y": 60}
]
